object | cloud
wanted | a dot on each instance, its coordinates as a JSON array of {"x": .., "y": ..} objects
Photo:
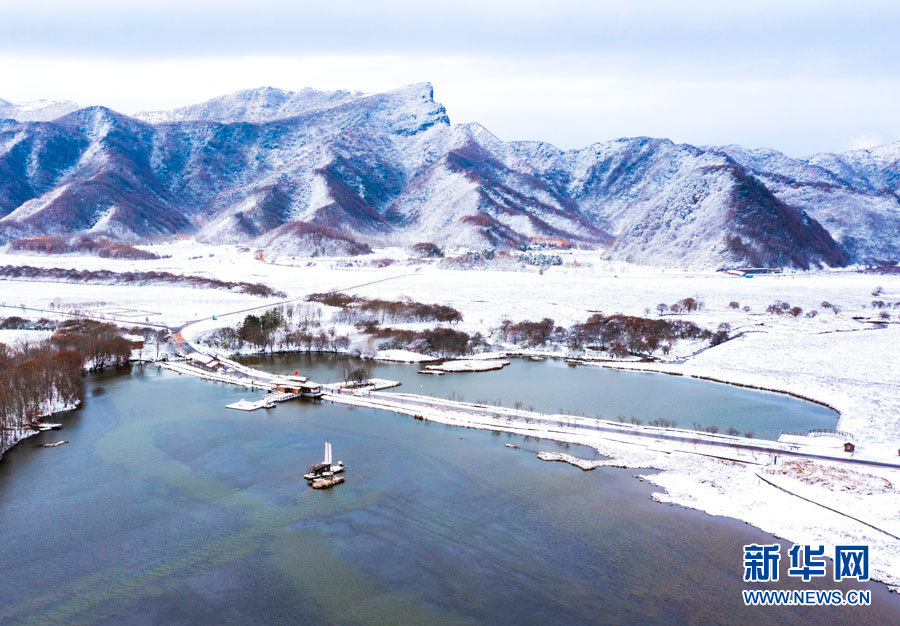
[
  {"x": 866, "y": 140},
  {"x": 801, "y": 77},
  {"x": 745, "y": 38}
]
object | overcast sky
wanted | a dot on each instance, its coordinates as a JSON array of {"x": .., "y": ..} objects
[{"x": 799, "y": 76}]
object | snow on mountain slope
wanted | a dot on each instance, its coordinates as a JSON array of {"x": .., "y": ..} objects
[
  {"x": 854, "y": 194},
  {"x": 258, "y": 105},
  {"x": 878, "y": 167},
  {"x": 83, "y": 169},
  {"x": 275, "y": 167},
  {"x": 305, "y": 239},
  {"x": 764, "y": 160},
  {"x": 36, "y": 110},
  {"x": 260, "y": 211}
]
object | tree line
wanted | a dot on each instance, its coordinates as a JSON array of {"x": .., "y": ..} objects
[
  {"x": 102, "y": 247},
  {"x": 107, "y": 277},
  {"x": 618, "y": 334},
  {"x": 440, "y": 341},
  {"x": 37, "y": 376},
  {"x": 285, "y": 328},
  {"x": 356, "y": 309}
]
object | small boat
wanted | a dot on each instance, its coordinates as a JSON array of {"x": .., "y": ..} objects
[{"x": 326, "y": 468}]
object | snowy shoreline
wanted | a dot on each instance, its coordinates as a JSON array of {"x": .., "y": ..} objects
[
  {"x": 719, "y": 381},
  {"x": 26, "y": 433},
  {"x": 724, "y": 485},
  {"x": 18, "y": 438},
  {"x": 638, "y": 366}
]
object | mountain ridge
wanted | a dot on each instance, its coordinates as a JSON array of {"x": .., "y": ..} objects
[{"x": 390, "y": 169}]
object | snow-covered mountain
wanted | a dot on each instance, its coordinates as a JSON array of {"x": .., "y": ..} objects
[
  {"x": 332, "y": 172},
  {"x": 36, "y": 110},
  {"x": 256, "y": 105}
]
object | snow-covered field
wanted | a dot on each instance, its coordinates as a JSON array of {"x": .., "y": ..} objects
[
  {"x": 15, "y": 337},
  {"x": 832, "y": 358},
  {"x": 403, "y": 356},
  {"x": 842, "y": 362}
]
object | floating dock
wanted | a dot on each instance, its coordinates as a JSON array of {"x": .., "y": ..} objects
[
  {"x": 247, "y": 405},
  {"x": 266, "y": 402}
]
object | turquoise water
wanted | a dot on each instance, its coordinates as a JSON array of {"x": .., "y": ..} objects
[{"x": 165, "y": 507}]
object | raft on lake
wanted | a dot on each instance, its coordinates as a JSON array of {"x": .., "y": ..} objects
[
  {"x": 325, "y": 483},
  {"x": 54, "y": 444}
]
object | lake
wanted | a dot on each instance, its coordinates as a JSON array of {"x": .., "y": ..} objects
[
  {"x": 554, "y": 386},
  {"x": 167, "y": 507}
]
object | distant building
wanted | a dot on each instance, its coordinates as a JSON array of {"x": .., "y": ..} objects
[{"x": 752, "y": 271}]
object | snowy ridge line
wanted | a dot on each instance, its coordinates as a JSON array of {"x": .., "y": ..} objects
[
  {"x": 856, "y": 519},
  {"x": 441, "y": 174}
]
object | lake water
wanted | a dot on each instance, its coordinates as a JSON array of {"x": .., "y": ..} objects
[
  {"x": 166, "y": 507},
  {"x": 555, "y": 387}
]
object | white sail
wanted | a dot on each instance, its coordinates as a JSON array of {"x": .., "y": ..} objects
[{"x": 328, "y": 453}]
